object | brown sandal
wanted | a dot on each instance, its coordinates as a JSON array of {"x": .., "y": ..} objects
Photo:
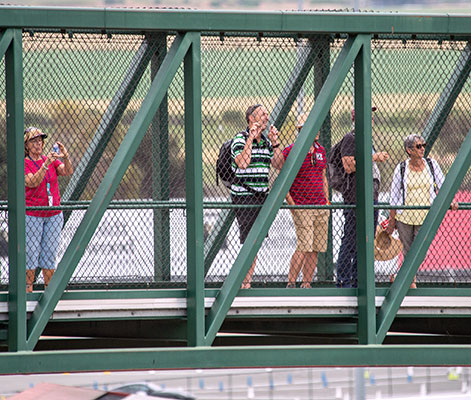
[{"x": 305, "y": 285}]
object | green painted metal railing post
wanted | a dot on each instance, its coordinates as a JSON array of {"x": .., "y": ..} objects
[
  {"x": 107, "y": 188},
  {"x": 424, "y": 238},
  {"x": 325, "y": 264},
  {"x": 16, "y": 190},
  {"x": 217, "y": 237},
  {"x": 160, "y": 169},
  {"x": 282, "y": 184},
  {"x": 5, "y": 41},
  {"x": 447, "y": 98},
  {"x": 364, "y": 196},
  {"x": 194, "y": 195}
]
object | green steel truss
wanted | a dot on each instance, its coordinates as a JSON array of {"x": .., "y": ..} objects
[{"x": 368, "y": 329}]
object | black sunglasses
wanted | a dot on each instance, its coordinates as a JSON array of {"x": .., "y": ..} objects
[{"x": 420, "y": 146}]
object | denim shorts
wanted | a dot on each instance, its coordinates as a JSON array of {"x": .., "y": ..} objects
[{"x": 42, "y": 241}]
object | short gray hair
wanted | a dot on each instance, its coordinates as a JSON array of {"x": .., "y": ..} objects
[{"x": 409, "y": 141}]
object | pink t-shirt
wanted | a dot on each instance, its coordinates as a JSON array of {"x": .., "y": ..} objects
[
  {"x": 307, "y": 187},
  {"x": 38, "y": 196}
]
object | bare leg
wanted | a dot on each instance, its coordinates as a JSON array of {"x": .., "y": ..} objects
[
  {"x": 297, "y": 261},
  {"x": 47, "y": 274},
  {"x": 413, "y": 285},
  {"x": 309, "y": 267},
  {"x": 246, "y": 284},
  {"x": 29, "y": 280}
]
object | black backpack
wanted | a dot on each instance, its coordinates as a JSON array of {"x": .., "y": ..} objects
[
  {"x": 224, "y": 170},
  {"x": 224, "y": 165},
  {"x": 335, "y": 171}
]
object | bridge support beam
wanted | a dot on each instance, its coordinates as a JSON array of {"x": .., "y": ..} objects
[{"x": 233, "y": 357}]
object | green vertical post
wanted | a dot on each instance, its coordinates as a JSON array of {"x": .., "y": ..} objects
[
  {"x": 16, "y": 193},
  {"x": 364, "y": 196},
  {"x": 325, "y": 263},
  {"x": 194, "y": 194},
  {"x": 160, "y": 169}
]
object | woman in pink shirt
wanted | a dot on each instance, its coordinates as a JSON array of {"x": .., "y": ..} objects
[{"x": 43, "y": 227}]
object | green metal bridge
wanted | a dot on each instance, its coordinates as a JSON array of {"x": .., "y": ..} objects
[{"x": 150, "y": 266}]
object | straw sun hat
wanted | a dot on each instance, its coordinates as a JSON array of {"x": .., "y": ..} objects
[{"x": 386, "y": 246}]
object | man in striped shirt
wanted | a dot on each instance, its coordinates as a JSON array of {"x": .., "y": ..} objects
[{"x": 252, "y": 154}]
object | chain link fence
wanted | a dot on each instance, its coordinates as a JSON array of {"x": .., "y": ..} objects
[{"x": 83, "y": 90}]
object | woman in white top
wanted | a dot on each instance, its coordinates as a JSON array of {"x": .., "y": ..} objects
[{"x": 416, "y": 182}]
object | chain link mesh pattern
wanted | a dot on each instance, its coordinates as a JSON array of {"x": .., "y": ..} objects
[{"x": 84, "y": 89}]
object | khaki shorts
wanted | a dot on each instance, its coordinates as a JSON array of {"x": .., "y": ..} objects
[{"x": 312, "y": 228}]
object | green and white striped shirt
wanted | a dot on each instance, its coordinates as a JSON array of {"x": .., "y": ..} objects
[{"x": 256, "y": 174}]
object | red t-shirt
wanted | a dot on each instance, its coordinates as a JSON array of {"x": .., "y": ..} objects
[
  {"x": 307, "y": 187},
  {"x": 38, "y": 196}
]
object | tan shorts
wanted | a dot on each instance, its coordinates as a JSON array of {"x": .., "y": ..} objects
[{"x": 312, "y": 227}]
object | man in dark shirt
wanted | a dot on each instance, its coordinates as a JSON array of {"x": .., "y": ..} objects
[{"x": 347, "y": 271}]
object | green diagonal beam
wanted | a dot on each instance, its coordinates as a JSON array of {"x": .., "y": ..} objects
[
  {"x": 16, "y": 192},
  {"x": 7, "y": 37},
  {"x": 108, "y": 123},
  {"x": 424, "y": 238},
  {"x": 282, "y": 184},
  {"x": 107, "y": 188},
  {"x": 194, "y": 195},
  {"x": 293, "y": 85},
  {"x": 447, "y": 99},
  {"x": 217, "y": 236}
]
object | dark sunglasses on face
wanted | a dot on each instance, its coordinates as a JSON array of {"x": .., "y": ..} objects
[{"x": 420, "y": 146}]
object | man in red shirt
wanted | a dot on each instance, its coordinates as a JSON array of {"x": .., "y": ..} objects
[{"x": 310, "y": 187}]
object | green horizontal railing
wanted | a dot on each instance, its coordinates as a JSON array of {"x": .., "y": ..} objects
[{"x": 238, "y": 21}]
